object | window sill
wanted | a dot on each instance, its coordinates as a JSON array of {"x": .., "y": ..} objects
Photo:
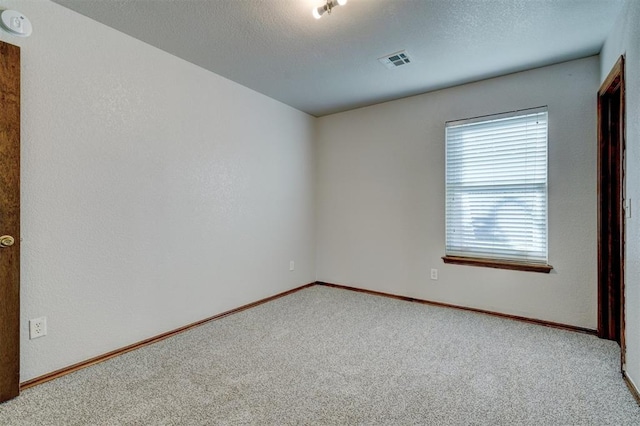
[{"x": 498, "y": 264}]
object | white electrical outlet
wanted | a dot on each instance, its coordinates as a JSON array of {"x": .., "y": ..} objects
[
  {"x": 292, "y": 265},
  {"x": 37, "y": 327},
  {"x": 434, "y": 274}
]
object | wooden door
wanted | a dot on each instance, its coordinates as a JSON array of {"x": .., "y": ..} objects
[
  {"x": 9, "y": 221},
  {"x": 611, "y": 119}
]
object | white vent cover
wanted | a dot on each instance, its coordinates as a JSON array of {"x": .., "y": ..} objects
[{"x": 395, "y": 60}]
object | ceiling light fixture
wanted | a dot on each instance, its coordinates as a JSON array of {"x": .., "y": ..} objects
[{"x": 319, "y": 11}]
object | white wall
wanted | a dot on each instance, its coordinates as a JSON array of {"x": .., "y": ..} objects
[
  {"x": 625, "y": 40},
  {"x": 381, "y": 196},
  {"x": 154, "y": 193}
]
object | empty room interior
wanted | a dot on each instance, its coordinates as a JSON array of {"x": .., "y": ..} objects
[{"x": 320, "y": 212}]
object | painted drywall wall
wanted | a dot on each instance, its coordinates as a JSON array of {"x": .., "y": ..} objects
[
  {"x": 154, "y": 193},
  {"x": 381, "y": 196},
  {"x": 625, "y": 40}
]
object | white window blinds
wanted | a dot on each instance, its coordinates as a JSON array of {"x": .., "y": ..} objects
[{"x": 496, "y": 187}]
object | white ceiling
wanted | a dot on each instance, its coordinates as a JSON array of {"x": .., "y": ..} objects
[{"x": 329, "y": 65}]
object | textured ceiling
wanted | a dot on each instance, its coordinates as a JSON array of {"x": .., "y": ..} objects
[{"x": 329, "y": 65}]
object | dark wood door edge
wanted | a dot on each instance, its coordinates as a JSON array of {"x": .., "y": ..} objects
[
  {"x": 100, "y": 358},
  {"x": 10, "y": 220},
  {"x": 464, "y": 308},
  {"x": 615, "y": 77},
  {"x": 611, "y": 304}
]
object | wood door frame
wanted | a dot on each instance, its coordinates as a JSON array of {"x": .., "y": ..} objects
[
  {"x": 10, "y": 220},
  {"x": 611, "y": 181}
]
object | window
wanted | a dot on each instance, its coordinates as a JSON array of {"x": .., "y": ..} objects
[{"x": 496, "y": 190}]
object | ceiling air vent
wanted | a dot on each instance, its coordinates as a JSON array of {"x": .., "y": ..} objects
[{"x": 395, "y": 60}]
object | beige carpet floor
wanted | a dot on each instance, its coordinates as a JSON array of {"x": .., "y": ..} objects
[{"x": 325, "y": 356}]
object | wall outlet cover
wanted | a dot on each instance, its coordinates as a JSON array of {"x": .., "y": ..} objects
[
  {"x": 37, "y": 327},
  {"x": 434, "y": 274}
]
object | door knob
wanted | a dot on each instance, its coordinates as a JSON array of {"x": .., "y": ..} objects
[{"x": 6, "y": 241}]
